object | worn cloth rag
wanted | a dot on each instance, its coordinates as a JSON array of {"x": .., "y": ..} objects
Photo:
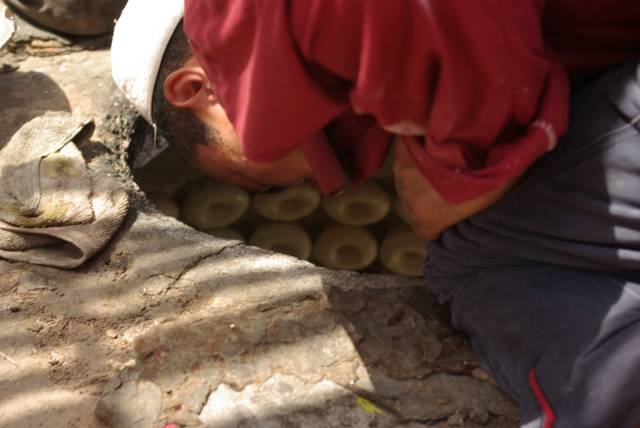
[{"x": 54, "y": 209}]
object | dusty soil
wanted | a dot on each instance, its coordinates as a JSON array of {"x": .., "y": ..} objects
[{"x": 168, "y": 325}]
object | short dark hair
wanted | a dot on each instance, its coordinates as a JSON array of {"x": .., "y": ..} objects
[{"x": 178, "y": 126}]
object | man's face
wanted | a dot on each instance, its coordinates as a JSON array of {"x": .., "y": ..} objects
[{"x": 222, "y": 158}]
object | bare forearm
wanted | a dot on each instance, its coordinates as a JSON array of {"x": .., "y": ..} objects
[{"x": 429, "y": 213}]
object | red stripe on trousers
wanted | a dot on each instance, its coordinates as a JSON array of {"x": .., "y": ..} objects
[{"x": 549, "y": 415}]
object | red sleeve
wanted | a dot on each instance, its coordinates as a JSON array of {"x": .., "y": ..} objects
[{"x": 469, "y": 83}]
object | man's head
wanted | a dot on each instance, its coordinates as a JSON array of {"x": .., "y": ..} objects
[
  {"x": 189, "y": 115},
  {"x": 175, "y": 94}
]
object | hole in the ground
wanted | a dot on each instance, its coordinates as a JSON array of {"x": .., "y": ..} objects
[{"x": 359, "y": 230}]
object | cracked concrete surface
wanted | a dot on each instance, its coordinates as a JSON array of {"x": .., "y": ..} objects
[{"x": 172, "y": 326}]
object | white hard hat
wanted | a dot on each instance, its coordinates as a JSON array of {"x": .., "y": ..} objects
[
  {"x": 140, "y": 38},
  {"x": 7, "y": 26}
]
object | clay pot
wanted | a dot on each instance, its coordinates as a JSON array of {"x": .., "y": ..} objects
[
  {"x": 358, "y": 206},
  {"x": 210, "y": 205},
  {"x": 290, "y": 204},
  {"x": 403, "y": 252},
  {"x": 345, "y": 247},
  {"x": 285, "y": 238}
]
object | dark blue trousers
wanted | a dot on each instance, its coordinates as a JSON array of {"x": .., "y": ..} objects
[{"x": 547, "y": 281}]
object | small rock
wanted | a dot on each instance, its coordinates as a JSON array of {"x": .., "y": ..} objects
[
  {"x": 14, "y": 308},
  {"x": 112, "y": 334},
  {"x": 118, "y": 366},
  {"x": 55, "y": 359},
  {"x": 46, "y": 44}
]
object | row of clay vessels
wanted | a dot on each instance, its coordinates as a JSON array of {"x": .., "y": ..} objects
[{"x": 344, "y": 243}]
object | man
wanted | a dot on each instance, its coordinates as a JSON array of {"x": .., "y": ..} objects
[{"x": 534, "y": 241}]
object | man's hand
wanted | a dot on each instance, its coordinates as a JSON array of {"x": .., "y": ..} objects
[{"x": 428, "y": 212}]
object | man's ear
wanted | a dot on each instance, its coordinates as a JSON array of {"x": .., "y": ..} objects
[{"x": 188, "y": 87}]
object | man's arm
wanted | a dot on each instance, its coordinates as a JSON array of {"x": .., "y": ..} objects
[{"x": 428, "y": 212}]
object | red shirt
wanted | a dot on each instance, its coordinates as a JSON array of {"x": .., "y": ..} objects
[{"x": 472, "y": 86}]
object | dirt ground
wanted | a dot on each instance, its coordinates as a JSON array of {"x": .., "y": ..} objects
[{"x": 171, "y": 326}]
